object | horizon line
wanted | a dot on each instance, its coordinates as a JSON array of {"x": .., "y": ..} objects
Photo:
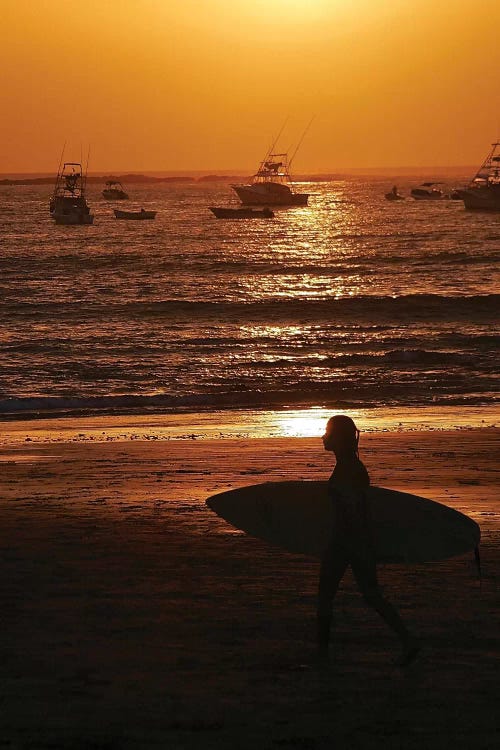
[{"x": 238, "y": 171}]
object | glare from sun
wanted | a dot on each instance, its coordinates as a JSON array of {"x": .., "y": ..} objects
[{"x": 309, "y": 423}]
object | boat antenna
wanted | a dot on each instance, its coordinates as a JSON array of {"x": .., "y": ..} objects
[
  {"x": 61, "y": 158},
  {"x": 58, "y": 178},
  {"x": 301, "y": 139},
  {"x": 273, "y": 143},
  {"x": 87, "y": 167}
]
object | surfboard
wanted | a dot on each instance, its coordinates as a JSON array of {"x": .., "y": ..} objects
[{"x": 298, "y": 516}]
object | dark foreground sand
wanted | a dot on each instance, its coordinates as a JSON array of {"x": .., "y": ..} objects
[{"x": 132, "y": 617}]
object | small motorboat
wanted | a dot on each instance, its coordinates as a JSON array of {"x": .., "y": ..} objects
[
  {"x": 142, "y": 214},
  {"x": 394, "y": 195},
  {"x": 427, "y": 192},
  {"x": 114, "y": 191},
  {"x": 241, "y": 213}
]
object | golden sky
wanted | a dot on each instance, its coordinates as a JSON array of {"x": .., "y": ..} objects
[{"x": 205, "y": 84}]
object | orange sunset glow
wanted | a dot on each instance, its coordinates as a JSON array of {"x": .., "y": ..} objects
[{"x": 197, "y": 85}]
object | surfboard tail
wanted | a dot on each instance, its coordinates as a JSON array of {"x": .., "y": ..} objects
[{"x": 477, "y": 558}]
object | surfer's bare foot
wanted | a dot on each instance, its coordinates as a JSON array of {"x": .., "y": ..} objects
[{"x": 411, "y": 649}]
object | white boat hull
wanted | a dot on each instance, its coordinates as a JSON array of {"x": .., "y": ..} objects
[
  {"x": 431, "y": 195},
  {"x": 269, "y": 194}
]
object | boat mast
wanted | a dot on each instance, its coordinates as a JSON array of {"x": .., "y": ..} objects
[
  {"x": 84, "y": 177},
  {"x": 58, "y": 178},
  {"x": 301, "y": 139},
  {"x": 273, "y": 143},
  {"x": 61, "y": 159}
]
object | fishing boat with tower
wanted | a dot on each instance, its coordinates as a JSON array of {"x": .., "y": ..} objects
[
  {"x": 483, "y": 191},
  {"x": 272, "y": 184},
  {"x": 68, "y": 204}
]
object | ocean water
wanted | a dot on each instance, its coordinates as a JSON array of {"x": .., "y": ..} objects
[{"x": 350, "y": 303}]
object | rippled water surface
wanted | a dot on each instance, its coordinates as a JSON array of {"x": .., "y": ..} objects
[{"x": 350, "y": 302}]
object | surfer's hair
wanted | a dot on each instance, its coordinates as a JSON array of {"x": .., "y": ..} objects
[{"x": 346, "y": 433}]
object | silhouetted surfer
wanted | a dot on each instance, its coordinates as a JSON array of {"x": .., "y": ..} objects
[{"x": 351, "y": 542}]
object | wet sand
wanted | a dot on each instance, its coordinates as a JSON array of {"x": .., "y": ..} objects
[{"x": 132, "y": 617}]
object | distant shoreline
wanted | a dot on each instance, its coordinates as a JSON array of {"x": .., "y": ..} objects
[
  {"x": 43, "y": 178},
  {"x": 130, "y": 178}
]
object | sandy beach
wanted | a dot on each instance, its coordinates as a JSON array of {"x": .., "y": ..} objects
[{"x": 133, "y": 617}]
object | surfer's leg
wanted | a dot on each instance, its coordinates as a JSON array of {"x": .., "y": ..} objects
[
  {"x": 333, "y": 567},
  {"x": 365, "y": 572}
]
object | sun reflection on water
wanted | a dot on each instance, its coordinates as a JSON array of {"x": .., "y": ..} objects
[
  {"x": 303, "y": 422},
  {"x": 303, "y": 425}
]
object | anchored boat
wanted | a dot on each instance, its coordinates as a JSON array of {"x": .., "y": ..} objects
[
  {"x": 483, "y": 192},
  {"x": 142, "y": 214},
  {"x": 114, "y": 191},
  {"x": 68, "y": 204},
  {"x": 272, "y": 184},
  {"x": 241, "y": 213},
  {"x": 393, "y": 195},
  {"x": 427, "y": 192}
]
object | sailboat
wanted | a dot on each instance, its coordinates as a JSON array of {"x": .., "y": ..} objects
[
  {"x": 272, "y": 184},
  {"x": 483, "y": 192},
  {"x": 68, "y": 204}
]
